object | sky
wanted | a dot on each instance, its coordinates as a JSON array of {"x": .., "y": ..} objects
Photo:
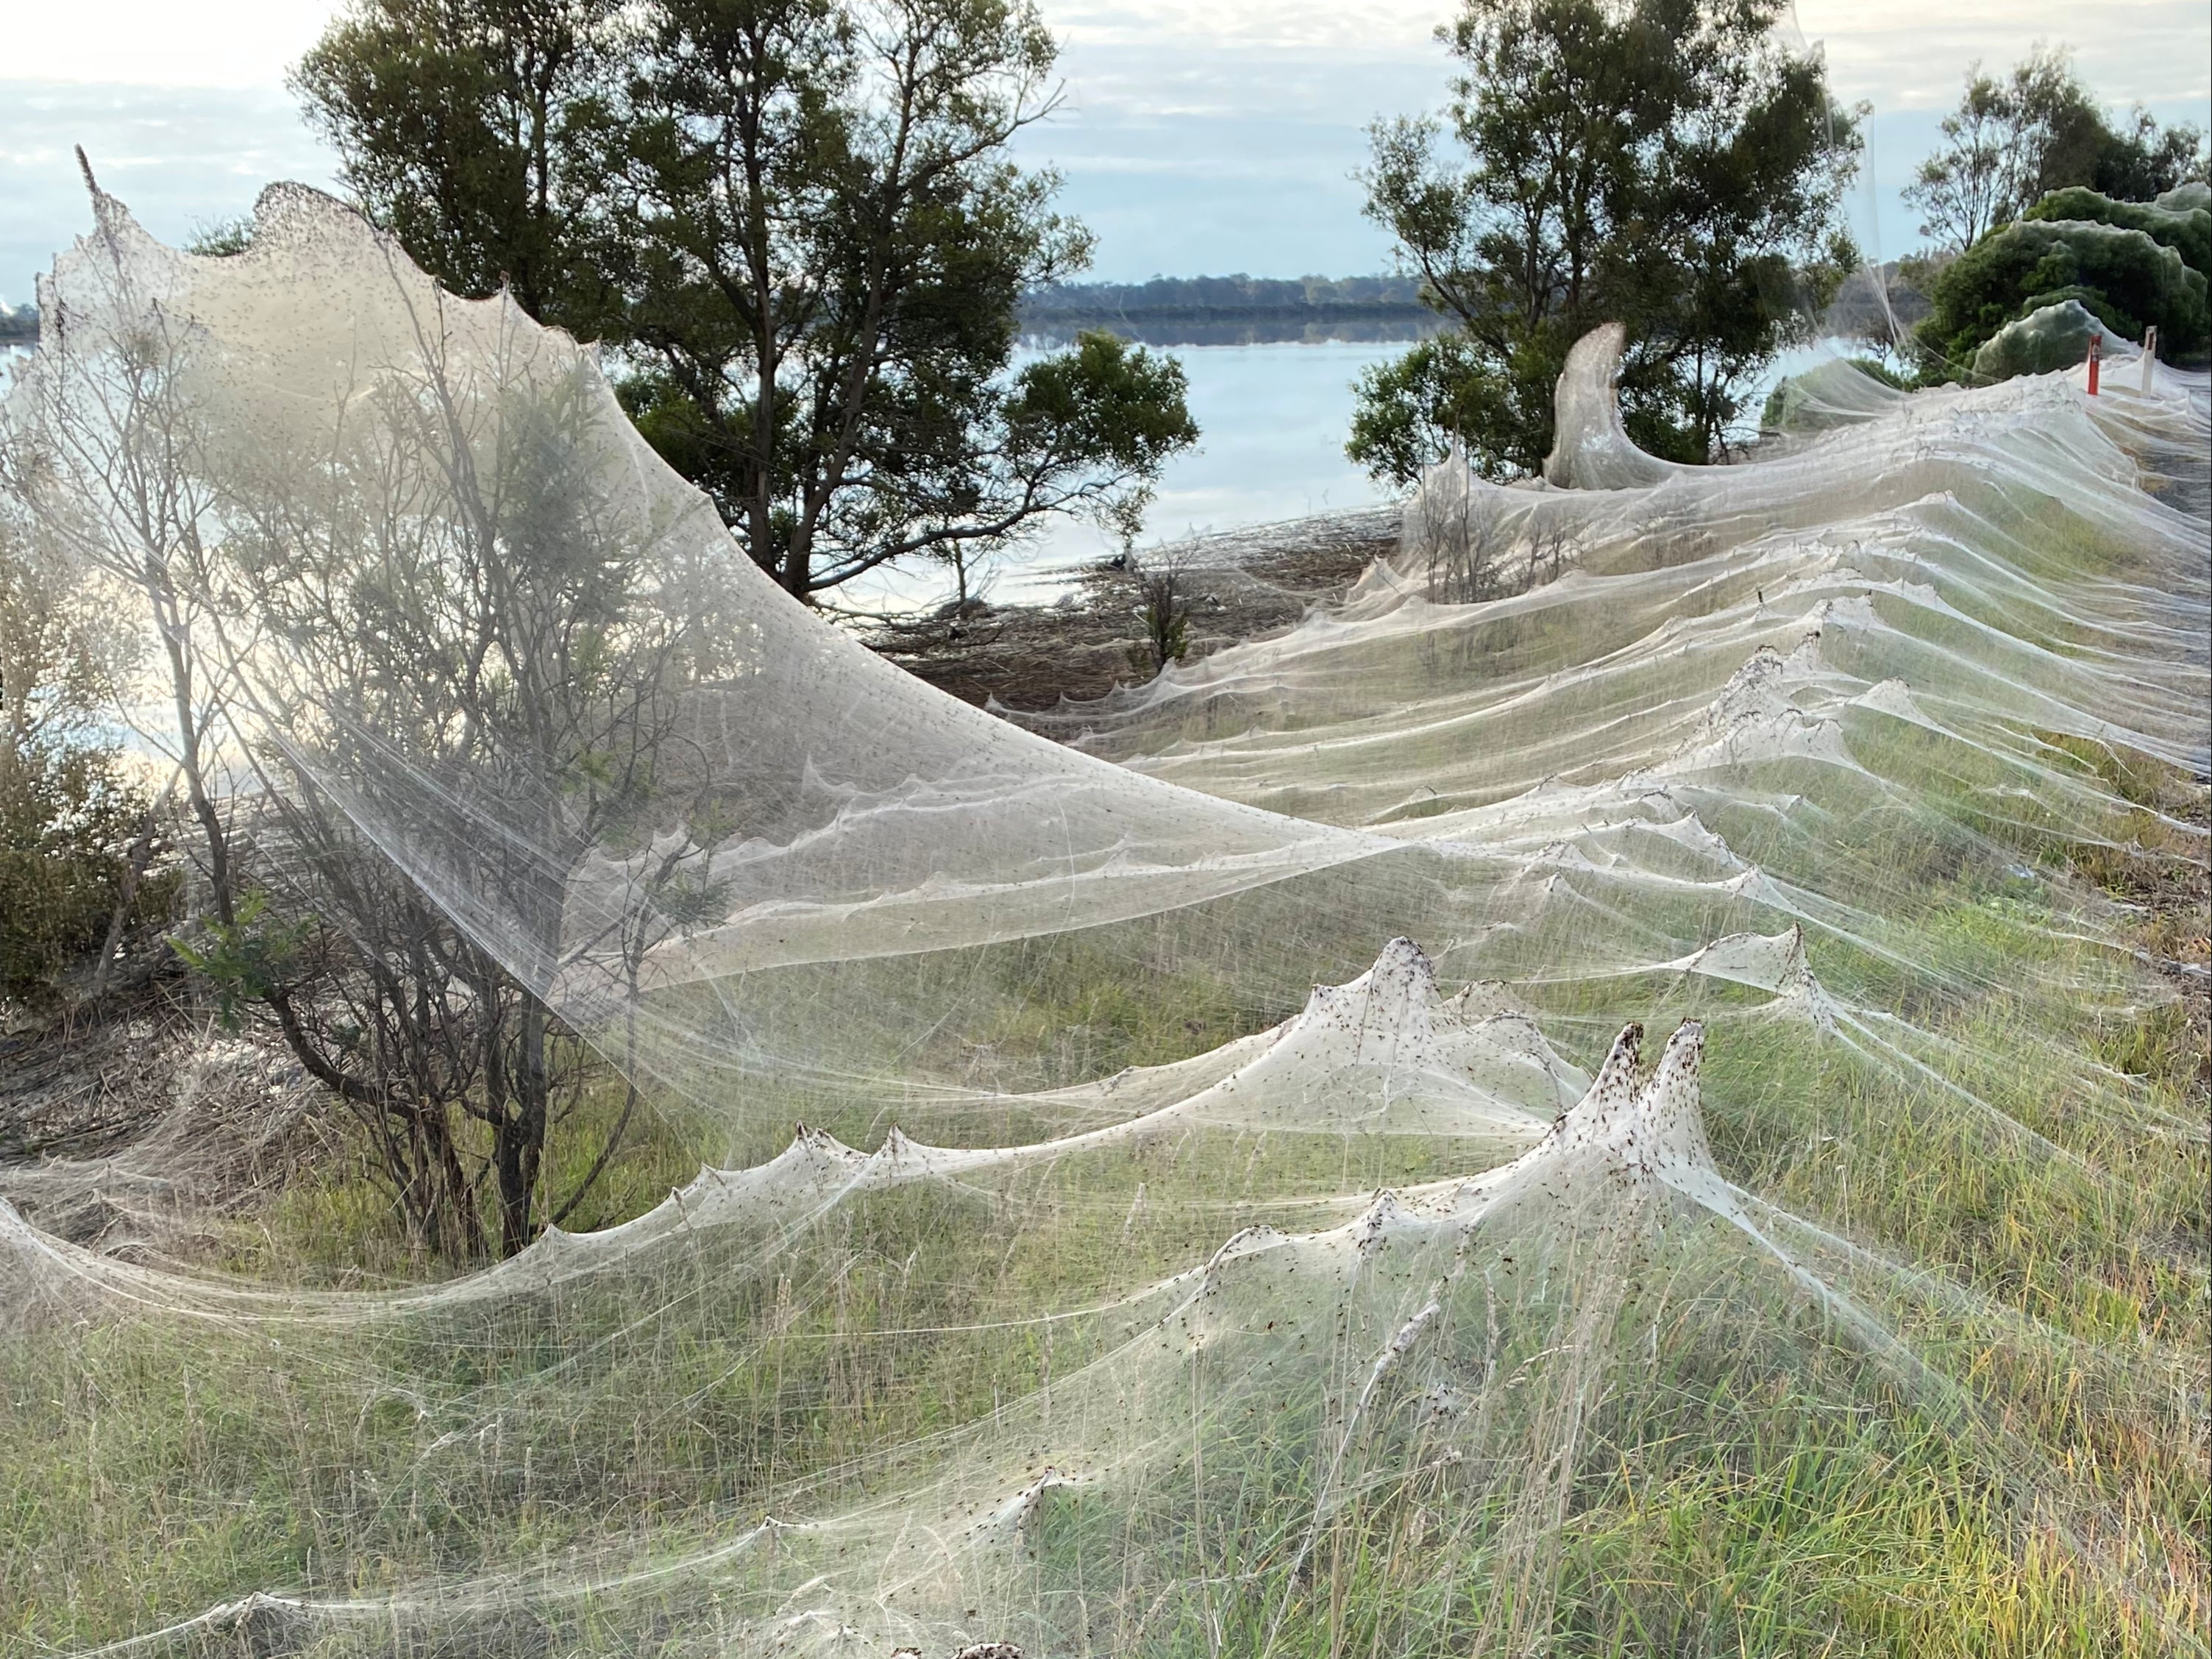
[{"x": 1195, "y": 136}]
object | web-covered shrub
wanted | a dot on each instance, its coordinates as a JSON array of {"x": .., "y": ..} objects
[
  {"x": 2123, "y": 276},
  {"x": 2186, "y": 230},
  {"x": 68, "y": 819}
]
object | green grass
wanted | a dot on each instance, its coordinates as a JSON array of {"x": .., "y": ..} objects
[{"x": 1744, "y": 1478}]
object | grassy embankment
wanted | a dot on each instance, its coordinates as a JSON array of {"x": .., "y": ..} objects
[{"x": 1744, "y": 1477}]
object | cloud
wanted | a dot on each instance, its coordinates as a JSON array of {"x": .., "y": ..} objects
[
  {"x": 182, "y": 156},
  {"x": 1906, "y": 54},
  {"x": 164, "y": 43},
  {"x": 1194, "y": 137}
]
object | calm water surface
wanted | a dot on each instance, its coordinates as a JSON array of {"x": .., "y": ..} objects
[
  {"x": 1271, "y": 421},
  {"x": 1273, "y": 418}
]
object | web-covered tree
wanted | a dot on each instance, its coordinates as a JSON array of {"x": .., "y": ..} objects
[
  {"x": 433, "y": 611},
  {"x": 1675, "y": 165},
  {"x": 795, "y": 224},
  {"x": 478, "y": 632},
  {"x": 2127, "y": 265}
]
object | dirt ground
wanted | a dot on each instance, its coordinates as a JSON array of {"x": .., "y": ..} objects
[
  {"x": 1030, "y": 657},
  {"x": 129, "y": 1126}
]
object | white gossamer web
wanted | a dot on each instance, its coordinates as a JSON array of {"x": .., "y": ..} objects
[{"x": 1103, "y": 1359}]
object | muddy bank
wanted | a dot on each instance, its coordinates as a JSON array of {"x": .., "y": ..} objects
[{"x": 1240, "y": 586}]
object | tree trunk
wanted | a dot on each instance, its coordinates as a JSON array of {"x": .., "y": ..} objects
[
  {"x": 449, "y": 1213},
  {"x": 163, "y": 600},
  {"x": 798, "y": 571},
  {"x": 519, "y": 1136}
]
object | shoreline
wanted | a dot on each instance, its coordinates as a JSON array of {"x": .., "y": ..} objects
[{"x": 1241, "y": 585}]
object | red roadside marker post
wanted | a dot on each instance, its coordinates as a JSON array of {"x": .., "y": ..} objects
[{"x": 2096, "y": 351}]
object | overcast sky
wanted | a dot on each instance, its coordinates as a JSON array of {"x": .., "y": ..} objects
[{"x": 1196, "y": 137}]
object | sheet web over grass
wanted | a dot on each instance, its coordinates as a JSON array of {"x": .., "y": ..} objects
[{"x": 1426, "y": 1313}]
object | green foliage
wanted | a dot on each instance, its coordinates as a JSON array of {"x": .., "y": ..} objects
[
  {"x": 1965, "y": 187},
  {"x": 218, "y": 239},
  {"x": 2144, "y": 160},
  {"x": 1786, "y": 407},
  {"x": 2188, "y": 232},
  {"x": 1875, "y": 370},
  {"x": 2055, "y": 336},
  {"x": 1119, "y": 403},
  {"x": 797, "y": 228},
  {"x": 1671, "y": 166},
  {"x": 467, "y": 128},
  {"x": 2120, "y": 273},
  {"x": 1163, "y": 613},
  {"x": 2012, "y": 142},
  {"x": 69, "y": 816},
  {"x": 247, "y": 957},
  {"x": 1500, "y": 407},
  {"x": 1167, "y": 639}
]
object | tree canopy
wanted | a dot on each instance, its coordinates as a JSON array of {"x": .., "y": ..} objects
[
  {"x": 2012, "y": 142},
  {"x": 796, "y": 227},
  {"x": 471, "y": 129},
  {"x": 1675, "y": 165}
]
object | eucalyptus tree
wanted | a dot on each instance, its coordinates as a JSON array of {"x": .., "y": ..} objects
[
  {"x": 1676, "y": 165},
  {"x": 468, "y": 127},
  {"x": 2014, "y": 139},
  {"x": 796, "y": 227}
]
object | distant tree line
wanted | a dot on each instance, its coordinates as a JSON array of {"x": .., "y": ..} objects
[{"x": 1199, "y": 299}]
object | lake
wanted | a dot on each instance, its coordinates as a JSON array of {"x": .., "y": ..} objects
[{"x": 1273, "y": 418}]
